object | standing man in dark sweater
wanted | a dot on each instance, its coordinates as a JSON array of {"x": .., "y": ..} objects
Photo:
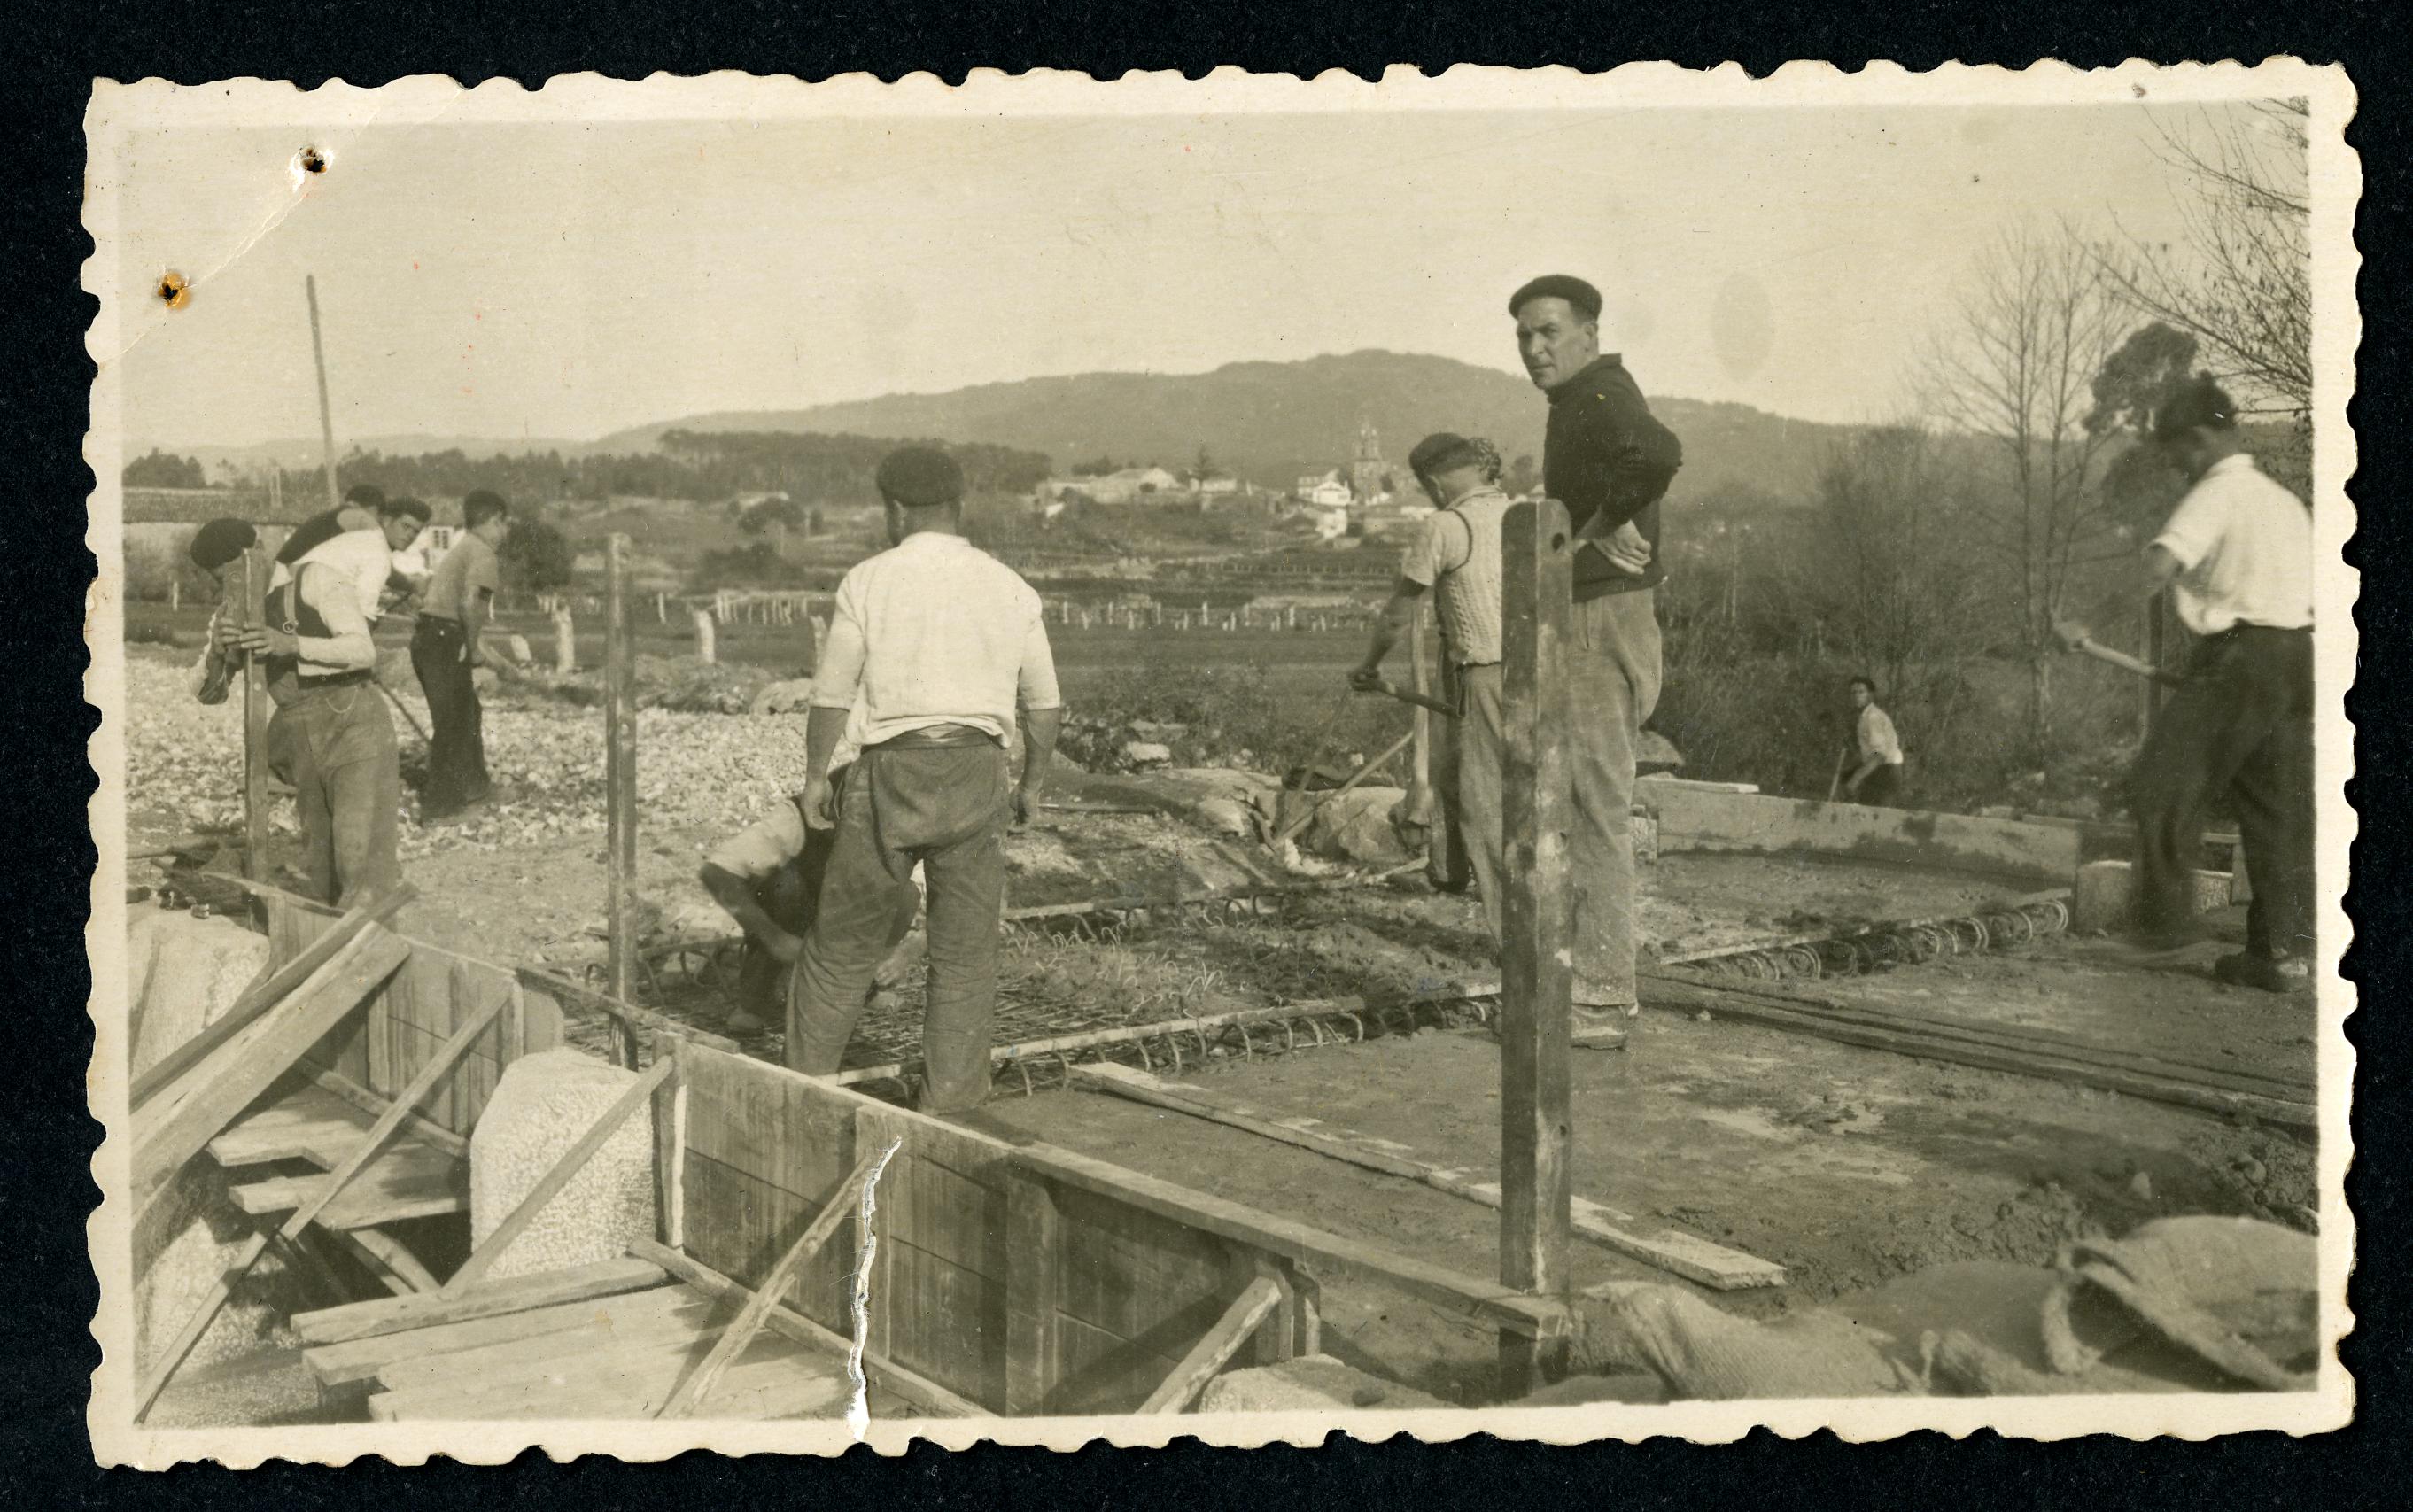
[{"x": 1609, "y": 461}]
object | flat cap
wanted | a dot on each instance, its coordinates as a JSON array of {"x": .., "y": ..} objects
[
  {"x": 920, "y": 477},
  {"x": 219, "y": 542},
  {"x": 1581, "y": 295},
  {"x": 1440, "y": 452}
]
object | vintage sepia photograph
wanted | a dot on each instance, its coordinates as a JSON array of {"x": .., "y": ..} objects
[{"x": 1572, "y": 756}]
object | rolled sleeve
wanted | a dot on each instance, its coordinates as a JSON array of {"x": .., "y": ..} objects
[
  {"x": 2195, "y": 527},
  {"x": 349, "y": 648},
  {"x": 1036, "y": 685},
  {"x": 1428, "y": 557}
]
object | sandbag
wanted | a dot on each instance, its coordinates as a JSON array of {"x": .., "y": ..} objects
[
  {"x": 1704, "y": 1354},
  {"x": 2237, "y": 1293},
  {"x": 541, "y": 1106}
]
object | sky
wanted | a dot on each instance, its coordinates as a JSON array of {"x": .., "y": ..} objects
[{"x": 568, "y": 280}]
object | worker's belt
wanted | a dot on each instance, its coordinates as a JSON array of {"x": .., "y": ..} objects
[
  {"x": 340, "y": 679},
  {"x": 440, "y": 623},
  {"x": 938, "y": 737}
]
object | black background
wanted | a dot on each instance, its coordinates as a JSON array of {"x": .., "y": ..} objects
[{"x": 46, "y": 1140}]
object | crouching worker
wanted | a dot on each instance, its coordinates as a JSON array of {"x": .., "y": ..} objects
[
  {"x": 768, "y": 877},
  {"x": 934, "y": 646}
]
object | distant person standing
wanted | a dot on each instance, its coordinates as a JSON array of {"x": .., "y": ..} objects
[
  {"x": 1875, "y": 775},
  {"x": 2237, "y": 557},
  {"x": 932, "y": 648},
  {"x": 1609, "y": 461},
  {"x": 1456, "y": 557},
  {"x": 445, "y": 652}
]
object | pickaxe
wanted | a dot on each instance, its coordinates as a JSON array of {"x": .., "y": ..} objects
[{"x": 2073, "y": 637}]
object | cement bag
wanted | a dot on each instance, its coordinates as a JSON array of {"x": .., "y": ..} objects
[
  {"x": 541, "y": 1106},
  {"x": 2236, "y": 1292},
  {"x": 1703, "y": 1353},
  {"x": 186, "y": 972}
]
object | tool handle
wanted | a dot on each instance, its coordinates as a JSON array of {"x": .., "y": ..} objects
[{"x": 1383, "y": 685}]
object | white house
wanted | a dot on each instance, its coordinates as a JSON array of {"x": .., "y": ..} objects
[
  {"x": 1332, "y": 520},
  {"x": 1209, "y": 487},
  {"x": 1124, "y": 487}
]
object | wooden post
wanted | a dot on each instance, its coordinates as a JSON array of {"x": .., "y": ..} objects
[
  {"x": 326, "y": 414},
  {"x": 255, "y": 726},
  {"x": 565, "y": 642},
  {"x": 1033, "y": 1259},
  {"x": 1436, "y": 822},
  {"x": 1536, "y": 966},
  {"x": 620, "y": 770},
  {"x": 705, "y": 650}
]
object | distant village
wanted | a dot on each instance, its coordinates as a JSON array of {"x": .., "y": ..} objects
[{"x": 1362, "y": 498}]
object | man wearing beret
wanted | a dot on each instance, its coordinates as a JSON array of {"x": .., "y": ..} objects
[
  {"x": 1609, "y": 461},
  {"x": 933, "y": 647},
  {"x": 215, "y": 547}
]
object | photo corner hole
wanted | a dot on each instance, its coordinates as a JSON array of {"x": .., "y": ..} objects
[
  {"x": 310, "y": 160},
  {"x": 174, "y": 291}
]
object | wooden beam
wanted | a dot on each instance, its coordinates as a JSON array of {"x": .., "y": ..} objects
[
  {"x": 1034, "y": 1280},
  {"x": 174, "y": 1127},
  {"x": 1536, "y": 964},
  {"x": 1694, "y": 1259},
  {"x": 438, "y": 1066},
  {"x": 254, "y": 721},
  {"x": 631, "y": 1018},
  {"x": 1255, "y": 1303},
  {"x": 886, "y": 1374},
  {"x": 620, "y": 774},
  {"x": 399, "y": 1269},
  {"x": 573, "y": 1159},
  {"x": 1500, "y": 1306},
  {"x": 422, "y": 1126},
  {"x": 767, "y": 1293},
  {"x": 518, "y": 1293},
  {"x": 1290, "y": 830},
  {"x": 270, "y": 990}
]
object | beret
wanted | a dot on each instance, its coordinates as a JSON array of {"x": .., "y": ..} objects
[
  {"x": 1581, "y": 295},
  {"x": 1440, "y": 452},
  {"x": 920, "y": 477},
  {"x": 2199, "y": 401},
  {"x": 219, "y": 542}
]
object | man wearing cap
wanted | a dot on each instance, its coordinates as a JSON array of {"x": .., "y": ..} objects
[
  {"x": 1609, "y": 461},
  {"x": 365, "y": 508},
  {"x": 933, "y": 647},
  {"x": 345, "y": 772},
  {"x": 445, "y": 652},
  {"x": 2237, "y": 557},
  {"x": 1457, "y": 556}
]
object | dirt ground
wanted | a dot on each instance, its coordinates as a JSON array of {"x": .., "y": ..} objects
[{"x": 1722, "y": 1129}]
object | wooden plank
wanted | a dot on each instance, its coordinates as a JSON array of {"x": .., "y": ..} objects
[
  {"x": 307, "y": 1122},
  {"x": 396, "y": 1266},
  {"x": 251, "y": 586},
  {"x": 410, "y": 1181},
  {"x": 1033, "y": 1247},
  {"x": 361, "y": 1360},
  {"x": 174, "y": 1127},
  {"x": 1255, "y": 1303},
  {"x": 923, "y": 1393},
  {"x": 1536, "y": 964},
  {"x": 370, "y": 1102},
  {"x": 2013, "y": 849},
  {"x": 1103, "y": 1372},
  {"x": 1138, "y": 1275},
  {"x": 519, "y": 1294},
  {"x": 663, "y": 1315},
  {"x": 936, "y": 1317},
  {"x": 1280, "y": 1237},
  {"x": 779, "y": 1379},
  {"x": 692, "y": 1391},
  {"x": 272, "y": 990},
  {"x": 573, "y": 1159},
  {"x": 1683, "y": 1254},
  {"x": 737, "y": 1225}
]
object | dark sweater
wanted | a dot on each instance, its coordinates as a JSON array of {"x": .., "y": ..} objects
[{"x": 1603, "y": 456}]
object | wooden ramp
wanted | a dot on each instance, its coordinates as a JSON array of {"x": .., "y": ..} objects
[{"x": 522, "y": 1353}]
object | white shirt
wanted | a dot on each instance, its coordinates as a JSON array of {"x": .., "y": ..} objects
[
  {"x": 360, "y": 556},
  {"x": 2244, "y": 550},
  {"x": 934, "y": 631},
  {"x": 1879, "y": 737}
]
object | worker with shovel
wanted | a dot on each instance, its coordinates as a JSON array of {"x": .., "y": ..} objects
[{"x": 2237, "y": 556}]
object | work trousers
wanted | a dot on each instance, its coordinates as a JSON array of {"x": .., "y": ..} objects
[
  {"x": 1478, "y": 739},
  {"x": 347, "y": 785},
  {"x": 2240, "y": 727},
  {"x": 1881, "y": 788},
  {"x": 456, "y": 744},
  {"x": 1448, "y": 866},
  {"x": 1613, "y": 671},
  {"x": 945, "y": 806}
]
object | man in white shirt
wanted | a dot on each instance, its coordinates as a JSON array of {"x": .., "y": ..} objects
[
  {"x": 2237, "y": 556},
  {"x": 347, "y": 775},
  {"x": 932, "y": 648},
  {"x": 1877, "y": 749}
]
